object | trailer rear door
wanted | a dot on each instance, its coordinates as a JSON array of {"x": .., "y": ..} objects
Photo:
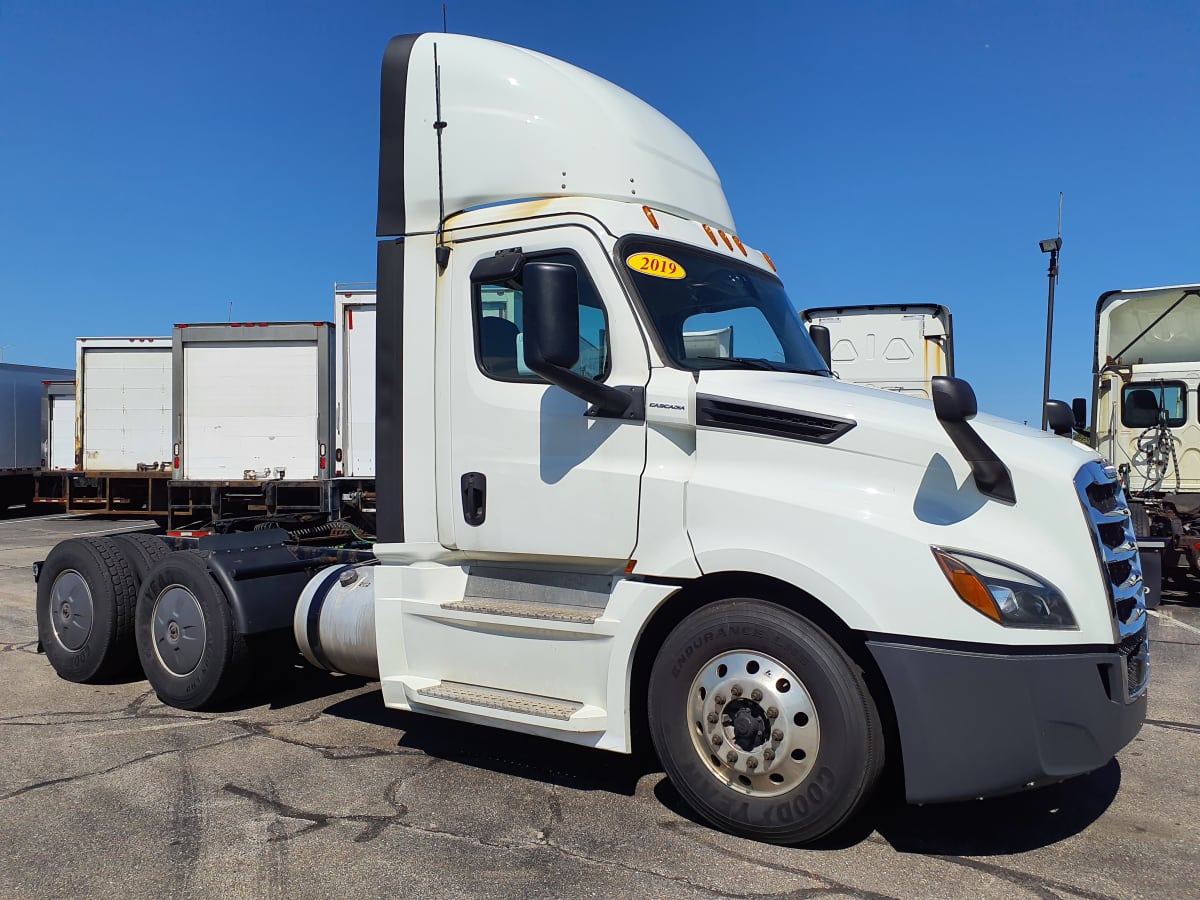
[
  {"x": 126, "y": 406},
  {"x": 250, "y": 405}
]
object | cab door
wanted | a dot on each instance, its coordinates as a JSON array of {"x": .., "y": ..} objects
[{"x": 531, "y": 477}]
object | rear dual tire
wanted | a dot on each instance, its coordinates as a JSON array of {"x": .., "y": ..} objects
[
  {"x": 86, "y": 595},
  {"x": 189, "y": 646}
]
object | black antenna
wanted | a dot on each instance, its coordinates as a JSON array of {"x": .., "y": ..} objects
[
  {"x": 443, "y": 253},
  {"x": 444, "y": 29}
]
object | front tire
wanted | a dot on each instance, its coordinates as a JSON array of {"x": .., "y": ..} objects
[
  {"x": 190, "y": 648},
  {"x": 763, "y": 723}
]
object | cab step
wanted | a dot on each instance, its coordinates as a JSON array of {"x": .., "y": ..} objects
[
  {"x": 508, "y": 701},
  {"x": 523, "y": 609}
]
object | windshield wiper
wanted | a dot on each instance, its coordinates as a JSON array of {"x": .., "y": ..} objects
[{"x": 757, "y": 362}]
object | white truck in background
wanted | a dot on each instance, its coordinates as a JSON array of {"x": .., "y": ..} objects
[
  {"x": 122, "y": 430},
  {"x": 1146, "y": 415},
  {"x": 21, "y": 453},
  {"x": 898, "y": 347},
  {"x": 662, "y": 537}
]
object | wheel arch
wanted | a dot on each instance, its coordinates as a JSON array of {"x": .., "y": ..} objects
[{"x": 714, "y": 586}]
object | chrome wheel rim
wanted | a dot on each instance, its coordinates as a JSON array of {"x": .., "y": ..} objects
[
  {"x": 71, "y": 610},
  {"x": 177, "y": 625},
  {"x": 753, "y": 723}
]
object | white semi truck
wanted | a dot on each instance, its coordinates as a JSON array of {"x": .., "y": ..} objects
[
  {"x": 898, "y": 347},
  {"x": 595, "y": 528},
  {"x": 1146, "y": 376}
]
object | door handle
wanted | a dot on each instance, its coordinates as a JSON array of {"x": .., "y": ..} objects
[{"x": 474, "y": 497}]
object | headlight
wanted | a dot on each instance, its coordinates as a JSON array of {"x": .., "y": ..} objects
[{"x": 1004, "y": 593}]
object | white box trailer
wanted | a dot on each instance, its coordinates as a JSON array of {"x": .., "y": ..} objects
[
  {"x": 252, "y": 401},
  {"x": 20, "y": 429},
  {"x": 894, "y": 346},
  {"x": 58, "y": 425},
  {"x": 355, "y": 364},
  {"x": 123, "y": 403},
  {"x": 254, "y": 424}
]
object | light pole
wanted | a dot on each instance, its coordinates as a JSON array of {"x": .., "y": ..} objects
[{"x": 1051, "y": 246}]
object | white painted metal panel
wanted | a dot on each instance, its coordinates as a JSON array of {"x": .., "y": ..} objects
[
  {"x": 897, "y": 349},
  {"x": 62, "y": 433},
  {"x": 125, "y": 388},
  {"x": 356, "y": 383},
  {"x": 250, "y": 405}
]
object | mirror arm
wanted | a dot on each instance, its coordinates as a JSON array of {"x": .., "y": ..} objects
[{"x": 607, "y": 402}]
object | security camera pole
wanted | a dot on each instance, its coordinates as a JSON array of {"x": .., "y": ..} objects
[{"x": 1051, "y": 246}]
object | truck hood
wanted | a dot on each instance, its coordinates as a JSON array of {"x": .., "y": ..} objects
[{"x": 901, "y": 428}]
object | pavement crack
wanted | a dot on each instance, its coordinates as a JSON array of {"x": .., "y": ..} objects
[
  {"x": 1174, "y": 726},
  {"x": 1046, "y": 888},
  {"x": 828, "y": 884},
  {"x": 373, "y": 825},
  {"x": 121, "y": 765}
]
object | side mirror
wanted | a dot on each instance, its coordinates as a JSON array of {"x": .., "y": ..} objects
[
  {"x": 1060, "y": 418},
  {"x": 551, "y": 316},
  {"x": 954, "y": 403},
  {"x": 953, "y": 399},
  {"x": 820, "y": 337},
  {"x": 1079, "y": 413},
  {"x": 551, "y": 340}
]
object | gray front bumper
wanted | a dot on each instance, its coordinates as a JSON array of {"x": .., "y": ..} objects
[{"x": 975, "y": 724}]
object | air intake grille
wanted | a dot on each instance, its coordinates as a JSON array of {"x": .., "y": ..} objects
[
  {"x": 719, "y": 412},
  {"x": 1111, "y": 524}
]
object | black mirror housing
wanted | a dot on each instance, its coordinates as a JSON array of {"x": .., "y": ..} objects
[
  {"x": 820, "y": 338},
  {"x": 551, "y": 316},
  {"x": 1060, "y": 418},
  {"x": 1079, "y": 413},
  {"x": 953, "y": 399}
]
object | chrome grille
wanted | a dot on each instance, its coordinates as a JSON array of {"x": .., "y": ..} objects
[{"x": 1111, "y": 523}]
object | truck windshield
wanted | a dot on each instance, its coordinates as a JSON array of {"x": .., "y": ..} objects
[{"x": 711, "y": 312}]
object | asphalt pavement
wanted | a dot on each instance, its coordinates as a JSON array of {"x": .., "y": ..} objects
[{"x": 311, "y": 788}]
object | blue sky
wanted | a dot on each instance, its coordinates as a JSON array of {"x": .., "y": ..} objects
[{"x": 159, "y": 160}]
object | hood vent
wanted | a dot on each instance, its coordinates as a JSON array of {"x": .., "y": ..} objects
[{"x": 738, "y": 415}]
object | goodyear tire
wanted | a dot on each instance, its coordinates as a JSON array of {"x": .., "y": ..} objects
[
  {"x": 85, "y": 608},
  {"x": 763, "y": 723},
  {"x": 141, "y": 551},
  {"x": 190, "y": 648}
]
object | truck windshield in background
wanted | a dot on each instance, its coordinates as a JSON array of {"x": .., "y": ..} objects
[{"x": 713, "y": 313}]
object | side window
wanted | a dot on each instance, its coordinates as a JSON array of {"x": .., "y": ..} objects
[
  {"x": 499, "y": 329},
  {"x": 1142, "y": 405}
]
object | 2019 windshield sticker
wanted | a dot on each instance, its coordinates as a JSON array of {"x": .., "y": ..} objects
[{"x": 656, "y": 265}]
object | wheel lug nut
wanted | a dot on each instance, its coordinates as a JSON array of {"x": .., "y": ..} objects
[
  {"x": 772, "y": 712},
  {"x": 752, "y": 764},
  {"x": 756, "y": 695},
  {"x": 718, "y": 740},
  {"x": 712, "y": 718},
  {"x": 736, "y": 691},
  {"x": 777, "y": 735},
  {"x": 719, "y": 699},
  {"x": 731, "y": 757},
  {"x": 768, "y": 754}
]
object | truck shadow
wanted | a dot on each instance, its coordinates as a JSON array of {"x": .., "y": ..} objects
[
  {"x": 1002, "y": 825},
  {"x": 500, "y": 751},
  {"x": 993, "y": 827}
]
